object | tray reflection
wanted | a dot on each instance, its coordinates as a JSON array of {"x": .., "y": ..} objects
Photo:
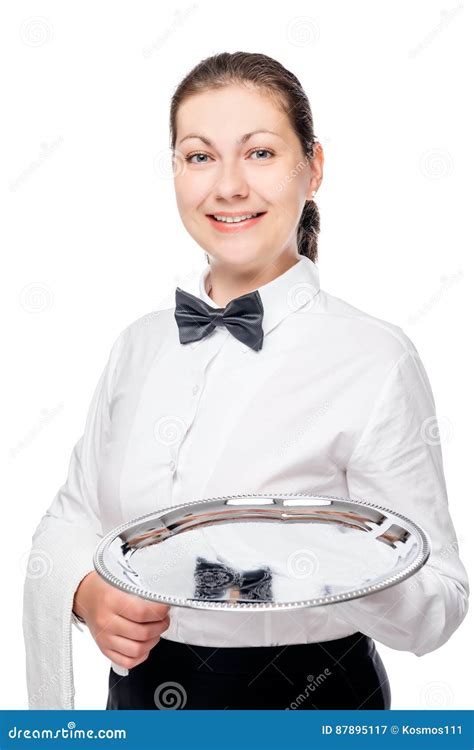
[{"x": 262, "y": 551}]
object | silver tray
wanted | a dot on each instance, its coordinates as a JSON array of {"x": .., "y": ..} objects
[{"x": 262, "y": 551}]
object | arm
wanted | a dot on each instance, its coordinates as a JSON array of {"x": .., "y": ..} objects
[
  {"x": 397, "y": 463},
  {"x": 61, "y": 556}
]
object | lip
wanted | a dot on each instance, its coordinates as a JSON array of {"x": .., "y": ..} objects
[{"x": 231, "y": 228}]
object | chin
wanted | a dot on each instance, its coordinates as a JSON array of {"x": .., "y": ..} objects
[{"x": 237, "y": 257}]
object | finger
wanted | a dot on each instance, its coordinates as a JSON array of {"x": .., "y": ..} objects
[
  {"x": 144, "y": 612},
  {"x": 130, "y": 648},
  {"x": 123, "y": 661},
  {"x": 139, "y": 631}
]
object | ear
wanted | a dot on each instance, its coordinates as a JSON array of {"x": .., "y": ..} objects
[{"x": 316, "y": 165}]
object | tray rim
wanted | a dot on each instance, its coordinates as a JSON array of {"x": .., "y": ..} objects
[{"x": 417, "y": 564}]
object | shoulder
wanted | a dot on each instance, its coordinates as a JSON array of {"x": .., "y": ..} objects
[
  {"x": 152, "y": 323},
  {"x": 365, "y": 331},
  {"x": 143, "y": 337}
]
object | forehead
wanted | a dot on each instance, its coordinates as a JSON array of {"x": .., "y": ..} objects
[{"x": 227, "y": 113}]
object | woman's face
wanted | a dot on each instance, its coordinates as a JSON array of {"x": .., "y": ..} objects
[{"x": 222, "y": 166}]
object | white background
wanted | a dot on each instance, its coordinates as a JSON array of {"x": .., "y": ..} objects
[{"x": 93, "y": 239}]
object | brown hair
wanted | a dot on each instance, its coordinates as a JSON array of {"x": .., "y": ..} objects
[{"x": 263, "y": 72}]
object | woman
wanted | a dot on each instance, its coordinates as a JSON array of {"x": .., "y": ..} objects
[{"x": 284, "y": 388}]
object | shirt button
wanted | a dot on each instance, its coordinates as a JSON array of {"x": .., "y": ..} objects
[{"x": 195, "y": 389}]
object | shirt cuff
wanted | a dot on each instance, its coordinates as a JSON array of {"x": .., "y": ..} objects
[{"x": 76, "y": 619}]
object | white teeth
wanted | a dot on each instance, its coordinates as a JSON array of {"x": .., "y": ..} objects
[{"x": 233, "y": 219}]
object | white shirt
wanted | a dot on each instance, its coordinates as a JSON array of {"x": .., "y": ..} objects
[{"x": 336, "y": 402}]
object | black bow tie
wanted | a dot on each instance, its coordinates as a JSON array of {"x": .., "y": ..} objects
[
  {"x": 213, "y": 579},
  {"x": 241, "y": 316}
]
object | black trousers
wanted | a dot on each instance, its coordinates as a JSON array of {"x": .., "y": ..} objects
[{"x": 346, "y": 673}]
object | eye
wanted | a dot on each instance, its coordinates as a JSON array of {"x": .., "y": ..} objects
[
  {"x": 197, "y": 153},
  {"x": 190, "y": 157},
  {"x": 260, "y": 151}
]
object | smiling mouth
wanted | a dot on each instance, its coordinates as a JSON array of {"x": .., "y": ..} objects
[{"x": 232, "y": 221}]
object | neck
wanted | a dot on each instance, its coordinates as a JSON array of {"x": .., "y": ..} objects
[{"x": 225, "y": 282}]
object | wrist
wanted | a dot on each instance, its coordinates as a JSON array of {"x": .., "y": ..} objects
[{"x": 79, "y": 604}]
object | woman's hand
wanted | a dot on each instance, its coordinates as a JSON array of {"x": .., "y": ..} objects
[{"x": 124, "y": 626}]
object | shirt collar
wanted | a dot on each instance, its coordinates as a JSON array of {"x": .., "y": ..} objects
[{"x": 282, "y": 296}]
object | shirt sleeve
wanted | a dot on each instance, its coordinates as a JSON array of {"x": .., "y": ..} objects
[
  {"x": 397, "y": 464},
  {"x": 62, "y": 554}
]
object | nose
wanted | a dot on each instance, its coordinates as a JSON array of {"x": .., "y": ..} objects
[{"x": 230, "y": 182}]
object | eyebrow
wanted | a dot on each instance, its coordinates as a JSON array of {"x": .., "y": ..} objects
[{"x": 239, "y": 141}]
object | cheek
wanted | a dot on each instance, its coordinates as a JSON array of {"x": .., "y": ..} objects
[
  {"x": 182, "y": 203},
  {"x": 281, "y": 186},
  {"x": 287, "y": 198},
  {"x": 192, "y": 190}
]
